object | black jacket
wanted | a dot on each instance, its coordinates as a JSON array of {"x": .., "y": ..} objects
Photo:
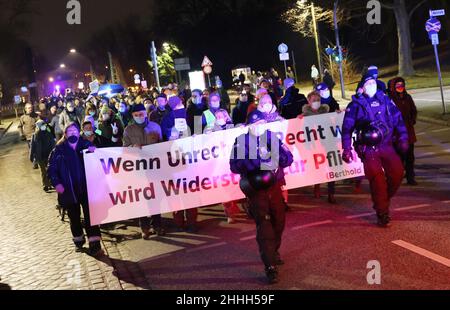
[
  {"x": 66, "y": 167},
  {"x": 42, "y": 143},
  {"x": 292, "y": 103}
]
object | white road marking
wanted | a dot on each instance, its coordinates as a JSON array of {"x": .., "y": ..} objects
[
  {"x": 412, "y": 207},
  {"x": 360, "y": 215},
  {"x": 435, "y": 257},
  {"x": 248, "y": 238},
  {"x": 441, "y": 130},
  {"x": 428, "y": 100},
  {"x": 421, "y": 134},
  {"x": 312, "y": 225},
  {"x": 208, "y": 246},
  {"x": 427, "y": 154}
]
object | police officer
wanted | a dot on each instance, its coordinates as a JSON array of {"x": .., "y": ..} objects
[
  {"x": 377, "y": 122},
  {"x": 260, "y": 157}
]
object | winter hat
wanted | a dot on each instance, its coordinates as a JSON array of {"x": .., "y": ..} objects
[
  {"x": 288, "y": 83},
  {"x": 255, "y": 116},
  {"x": 372, "y": 70},
  {"x": 138, "y": 108},
  {"x": 162, "y": 96},
  {"x": 321, "y": 86},
  {"x": 366, "y": 78}
]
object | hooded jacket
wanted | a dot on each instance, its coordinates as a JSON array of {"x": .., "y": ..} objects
[{"x": 407, "y": 107}]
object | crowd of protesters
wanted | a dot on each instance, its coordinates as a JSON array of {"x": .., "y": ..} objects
[{"x": 61, "y": 126}]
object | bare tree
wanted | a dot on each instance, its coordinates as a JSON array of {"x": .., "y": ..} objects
[{"x": 403, "y": 17}]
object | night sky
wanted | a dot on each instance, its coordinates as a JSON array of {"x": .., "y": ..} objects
[{"x": 53, "y": 37}]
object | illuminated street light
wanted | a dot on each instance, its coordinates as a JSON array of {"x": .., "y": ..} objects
[
  {"x": 73, "y": 51},
  {"x": 51, "y": 80},
  {"x": 62, "y": 66}
]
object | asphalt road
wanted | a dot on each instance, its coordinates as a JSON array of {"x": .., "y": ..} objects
[{"x": 324, "y": 246}]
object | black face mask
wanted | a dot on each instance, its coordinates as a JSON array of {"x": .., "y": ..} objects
[{"x": 72, "y": 139}]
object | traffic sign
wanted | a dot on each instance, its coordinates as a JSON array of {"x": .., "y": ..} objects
[
  {"x": 433, "y": 25},
  {"x": 435, "y": 39},
  {"x": 206, "y": 62},
  {"x": 182, "y": 64},
  {"x": 284, "y": 56},
  {"x": 283, "y": 48},
  {"x": 434, "y": 13},
  {"x": 207, "y": 69}
]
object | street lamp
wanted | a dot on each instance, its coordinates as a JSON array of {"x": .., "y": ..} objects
[
  {"x": 51, "y": 79},
  {"x": 62, "y": 66},
  {"x": 73, "y": 51}
]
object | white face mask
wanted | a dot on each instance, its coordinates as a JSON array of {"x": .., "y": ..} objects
[
  {"x": 106, "y": 117},
  {"x": 44, "y": 128},
  {"x": 325, "y": 94},
  {"x": 370, "y": 90},
  {"x": 316, "y": 105},
  {"x": 88, "y": 133},
  {"x": 70, "y": 109},
  {"x": 139, "y": 120}
]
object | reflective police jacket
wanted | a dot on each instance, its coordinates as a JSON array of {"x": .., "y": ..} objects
[{"x": 382, "y": 109}]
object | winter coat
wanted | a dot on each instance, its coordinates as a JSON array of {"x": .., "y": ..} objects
[
  {"x": 67, "y": 117},
  {"x": 407, "y": 107},
  {"x": 42, "y": 144},
  {"x": 66, "y": 168},
  {"x": 27, "y": 125},
  {"x": 384, "y": 110},
  {"x": 145, "y": 134},
  {"x": 292, "y": 103}
]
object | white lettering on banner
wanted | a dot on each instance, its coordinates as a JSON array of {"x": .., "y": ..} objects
[{"x": 126, "y": 183}]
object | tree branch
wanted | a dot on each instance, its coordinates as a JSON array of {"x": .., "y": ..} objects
[
  {"x": 386, "y": 6},
  {"x": 416, "y": 7}
]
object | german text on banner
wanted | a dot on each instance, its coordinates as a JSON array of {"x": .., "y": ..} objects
[{"x": 127, "y": 183}]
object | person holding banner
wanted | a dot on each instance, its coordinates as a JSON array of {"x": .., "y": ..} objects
[
  {"x": 67, "y": 175},
  {"x": 315, "y": 107},
  {"x": 377, "y": 121},
  {"x": 144, "y": 132},
  {"x": 260, "y": 157}
]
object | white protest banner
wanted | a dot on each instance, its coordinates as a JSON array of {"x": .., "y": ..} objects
[{"x": 126, "y": 183}]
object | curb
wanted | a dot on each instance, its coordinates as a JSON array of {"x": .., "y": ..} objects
[
  {"x": 433, "y": 121},
  {"x": 6, "y": 130}
]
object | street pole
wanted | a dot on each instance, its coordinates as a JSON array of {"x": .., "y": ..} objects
[
  {"x": 341, "y": 75},
  {"x": 331, "y": 65},
  {"x": 285, "y": 69},
  {"x": 155, "y": 65},
  {"x": 440, "y": 77},
  {"x": 316, "y": 37},
  {"x": 111, "y": 68},
  {"x": 295, "y": 67}
]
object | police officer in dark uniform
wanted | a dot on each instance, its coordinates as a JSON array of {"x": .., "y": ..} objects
[
  {"x": 380, "y": 128},
  {"x": 260, "y": 157}
]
